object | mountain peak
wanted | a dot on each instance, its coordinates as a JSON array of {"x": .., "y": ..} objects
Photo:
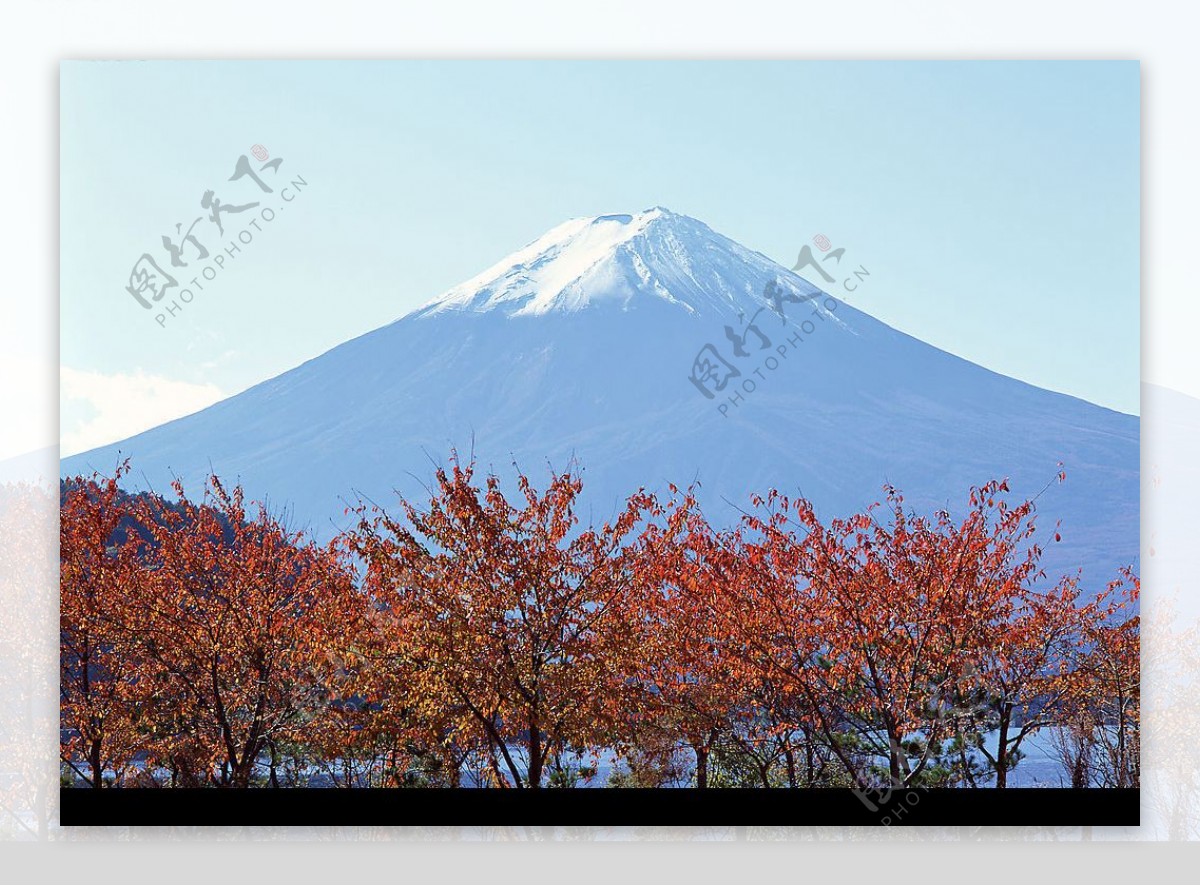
[
  {"x": 614, "y": 342},
  {"x": 616, "y": 259}
]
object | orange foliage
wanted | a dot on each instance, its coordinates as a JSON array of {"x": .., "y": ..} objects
[{"x": 486, "y": 637}]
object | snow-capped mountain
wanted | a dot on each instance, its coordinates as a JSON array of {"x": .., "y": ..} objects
[
  {"x": 653, "y": 350},
  {"x": 619, "y": 260}
]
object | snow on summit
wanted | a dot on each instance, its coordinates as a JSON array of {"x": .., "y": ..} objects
[{"x": 609, "y": 259}]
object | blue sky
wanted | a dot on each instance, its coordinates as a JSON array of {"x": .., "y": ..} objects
[{"x": 996, "y": 204}]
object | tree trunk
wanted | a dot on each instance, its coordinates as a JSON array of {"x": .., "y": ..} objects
[
  {"x": 1002, "y": 749},
  {"x": 764, "y": 773},
  {"x": 240, "y": 776},
  {"x": 790, "y": 759},
  {"x": 94, "y": 760},
  {"x": 1079, "y": 777},
  {"x": 701, "y": 765},
  {"x": 894, "y": 768},
  {"x": 536, "y": 758}
]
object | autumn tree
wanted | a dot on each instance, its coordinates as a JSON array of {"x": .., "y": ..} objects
[
  {"x": 501, "y": 616},
  {"x": 242, "y": 626},
  {"x": 729, "y": 643},
  {"x": 1100, "y": 720},
  {"x": 874, "y": 625},
  {"x": 102, "y": 699},
  {"x": 684, "y": 686},
  {"x": 1015, "y": 687}
]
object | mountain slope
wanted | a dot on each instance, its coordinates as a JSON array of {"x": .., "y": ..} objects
[{"x": 585, "y": 344}]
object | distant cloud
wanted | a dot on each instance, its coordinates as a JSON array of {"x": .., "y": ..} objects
[{"x": 98, "y": 409}]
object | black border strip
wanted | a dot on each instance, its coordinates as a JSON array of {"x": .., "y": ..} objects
[{"x": 604, "y": 807}]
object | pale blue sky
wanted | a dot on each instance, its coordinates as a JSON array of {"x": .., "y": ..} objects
[{"x": 996, "y": 204}]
